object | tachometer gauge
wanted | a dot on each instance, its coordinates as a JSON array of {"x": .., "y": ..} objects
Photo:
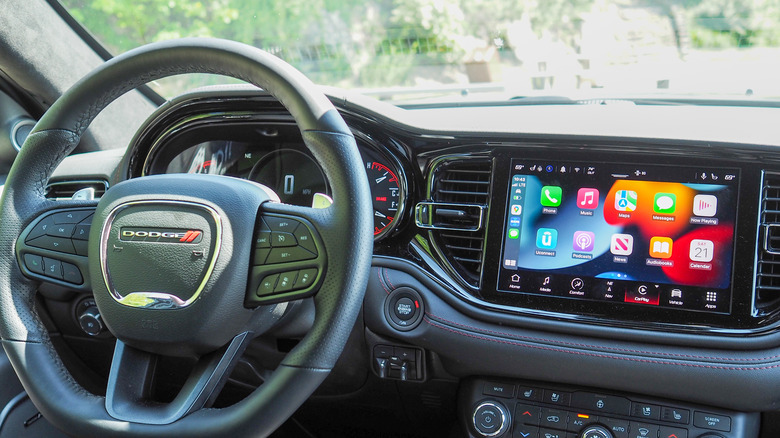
[{"x": 386, "y": 193}]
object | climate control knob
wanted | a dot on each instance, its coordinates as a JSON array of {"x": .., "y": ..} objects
[
  {"x": 491, "y": 419},
  {"x": 596, "y": 431}
]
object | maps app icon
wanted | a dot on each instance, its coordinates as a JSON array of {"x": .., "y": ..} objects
[{"x": 625, "y": 200}]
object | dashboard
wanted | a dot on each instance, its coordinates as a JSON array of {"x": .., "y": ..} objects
[{"x": 641, "y": 269}]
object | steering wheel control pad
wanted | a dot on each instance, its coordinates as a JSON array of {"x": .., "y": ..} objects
[
  {"x": 53, "y": 248},
  {"x": 166, "y": 258},
  {"x": 288, "y": 261}
]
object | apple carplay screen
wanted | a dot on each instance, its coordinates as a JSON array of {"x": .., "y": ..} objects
[{"x": 657, "y": 236}]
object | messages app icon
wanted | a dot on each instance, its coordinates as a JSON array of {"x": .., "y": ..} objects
[{"x": 665, "y": 203}]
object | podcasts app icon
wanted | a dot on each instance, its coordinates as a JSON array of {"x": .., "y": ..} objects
[{"x": 584, "y": 241}]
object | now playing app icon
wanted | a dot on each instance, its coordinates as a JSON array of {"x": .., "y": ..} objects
[{"x": 622, "y": 244}]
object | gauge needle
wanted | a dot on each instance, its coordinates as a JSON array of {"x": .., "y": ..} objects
[
  {"x": 379, "y": 214},
  {"x": 379, "y": 180}
]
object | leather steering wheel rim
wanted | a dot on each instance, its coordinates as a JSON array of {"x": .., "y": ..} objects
[{"x": 348, "y": 240}]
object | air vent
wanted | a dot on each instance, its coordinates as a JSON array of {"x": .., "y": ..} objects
[
  {"x": 768, "y": 275},
  {"x": 460, "y": 195},
  {"x": 66, "y": 189}
]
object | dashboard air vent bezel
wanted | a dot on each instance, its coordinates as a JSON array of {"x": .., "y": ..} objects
[{"x": 463, "y": 185}]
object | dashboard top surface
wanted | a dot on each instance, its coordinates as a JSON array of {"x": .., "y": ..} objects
[{"x": 412, "y": 143}]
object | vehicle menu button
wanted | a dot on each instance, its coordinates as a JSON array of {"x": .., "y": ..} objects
[
  {"x": 673, "y": 432},
  {"x": 644, "y": 410},
  {"x": 619, "y": 428},
  {"x": 497, "y": 389},
  {"x": 529, "y": 393},
  {"x": 601, "y": 403},
  {"x": 643, "y": 430},
  {"x": 704, "y": 420},
  {"x": 556, "y": 397},
  {"x": 525, "y": 431},
  {"x": 553, "y": 418},
  {"x": 675, "y": 415},
  {"x": 527, "y": 414}
]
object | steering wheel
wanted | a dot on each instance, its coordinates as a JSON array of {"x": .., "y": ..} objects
[{"x": 173, "y": 260}]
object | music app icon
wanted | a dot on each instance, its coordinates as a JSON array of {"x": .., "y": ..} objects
[{"x": 588, "y": 199}]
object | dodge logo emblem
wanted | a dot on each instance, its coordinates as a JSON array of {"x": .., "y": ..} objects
[{"x": 160, "y": 235}]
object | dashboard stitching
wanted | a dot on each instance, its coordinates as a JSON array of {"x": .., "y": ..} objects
[
  {"x": 583, "y": 353},
  {"x": 387, "y": 277},
  {"x": 382, "y": 283},
  {"x": 625, "y": 350}
]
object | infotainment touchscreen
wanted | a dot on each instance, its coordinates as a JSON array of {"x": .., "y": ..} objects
[{"x": 643, "y": 235}]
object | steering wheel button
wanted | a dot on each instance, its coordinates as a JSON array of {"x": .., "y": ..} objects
[
  {"x": 267, "y": 285},
  {"x": 52, "y": 268},
  {"x": 286, "y": 281},
  {"x": 59, "y": 244},
  {"x": 34, "y": 263},
  {"x": 281, "y": 223},
  {"x": 281, "y": 239},
  {"x": 61, "y": 230},
  {"x": 80, "y": 246},
  {"x": 263, "y": 239},
  {"x": 40, "y": 229},
  {"x": 305, "y": 278},
  {"x": 71, "y": 273},
  {"x": 305, "y": 239},
  {"x": 81, "y": 232},
  {"x": 260, "y": 255},
  {"x": 71, "y": 217},
  {"x": 291, "y": 254}
]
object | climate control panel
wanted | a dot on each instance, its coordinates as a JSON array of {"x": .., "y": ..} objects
[{"x": 500, "y": 408}]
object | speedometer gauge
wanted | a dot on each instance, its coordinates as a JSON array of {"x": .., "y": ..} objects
[{"x": 386, "y": 191}]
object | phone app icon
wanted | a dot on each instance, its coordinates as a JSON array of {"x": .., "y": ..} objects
[
  {"x": 705, "y": 205},
  {"x": 514, "y": 233},
  {"x": 661, "y": 247},
  {"x": 551, "y": 196},
  {"x": 701, "y": 250},
  {"x": 588, "y": 198},
  {"x": 622, "y": 244},
  {"x": 584, "y": 241},
  {"x": 516, "y": 210},
  {"x": 547, "y": 238},
  {"x": 665, "y": 203},
  {"x": 514, "y": 222},
  {"x": 625, "y": 200}
]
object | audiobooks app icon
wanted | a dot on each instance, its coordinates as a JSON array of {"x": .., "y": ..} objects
[{"x": 661, "y": 247}]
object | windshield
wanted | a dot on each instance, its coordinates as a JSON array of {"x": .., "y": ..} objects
[{"x": 404, "y": 50}]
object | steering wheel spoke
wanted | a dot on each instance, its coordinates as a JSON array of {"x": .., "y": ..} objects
[
  {"x": 128, "y": 394},
  {"x": 54, "y": 248},
  {"x": 289, "y": 259}
]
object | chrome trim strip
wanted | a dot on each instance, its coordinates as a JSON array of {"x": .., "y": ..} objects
[
  {"x": 418, "y": 216},
  {"x": 149, "y": 299}
]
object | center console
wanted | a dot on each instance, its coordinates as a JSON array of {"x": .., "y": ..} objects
[{"x": 518, "y": 409}]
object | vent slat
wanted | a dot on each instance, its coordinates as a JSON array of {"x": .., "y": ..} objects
[
  {"x": 767, "y": 296},
  {"x": 66, "y": 189},
  {"x": 465, "y": 181}
]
